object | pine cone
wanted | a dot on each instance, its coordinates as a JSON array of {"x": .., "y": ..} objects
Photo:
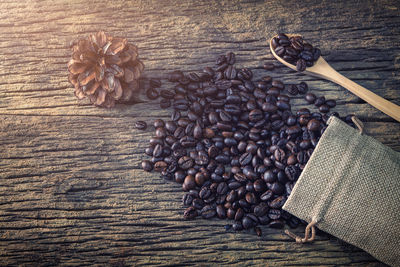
[{"x": 105, "y": 69}]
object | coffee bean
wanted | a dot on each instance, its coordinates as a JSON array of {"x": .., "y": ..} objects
[
  {"x": 310, "y": 98},
  {"x": 190, "y": 213},
  {"x": 261, "y": 209},
  {"x": 147, "y": 165},
  {"x": 152, "y": 93},
  {"x": 268, "y": 66},
  {"x": 303, "y": 88},
  {"x": 245, "y": 159},
  {"x": 313, "y": 125},
  {"x": 331, "y": 103},
  {"x": 237, "y": 226},
  {"x": 274, "y": 214},
  {"x": 189, "y": 183},
  {"x": 319, "y": 101},
  {"x": 159, "y": 166},
  {"x": 221, "y": 212},
  {"x": 324, "y": 108},
  {"x": 140, "y": 125},
  {"x": 239, "y": 214},
  {"x": 185, "y": 162},
  {"x": 175, "y": 76},
  {"x": 301, "y": 65},
  {"x": 278, "y": 202},
  {"x": 292, "y": 89},
  {"x": 165, "y": 103}
]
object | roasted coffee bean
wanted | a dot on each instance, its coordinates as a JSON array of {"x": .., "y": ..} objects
[
  {"x": 185, "y": 162},
  {"x": 165, "y": 103},
  {"x": 171, "y": 127},
  {"x": 245, "y": 159},
  {"x": 279, "y": 155},
  {"x": 319, "y": 101},
  {"x": 331, "y": 103},
  {"x": 189, "y": 183},
  {"x": 204, "y": 193},
  {"x": 256, "y": 115},
  {"x": 278, "y": 84},
  {"x": 190, "y": 213},
  {"x": 175, "y": 76},
  {"x": 239, "y": 214},
  {"x": 221, "y": 212},
  {"x": 158, "y": 123},
  {"x": 261, "y": 209},
  {"x": 247, "y": 222},
  {"x": 324, "y": 108},
  {"x": 292, "y": 89},
  {"x": 277, "y": 203},
  {"x": 179, "y": 176},
  {"x": 280, "y": 51},
  {"x": 310, "y": 98},
  {"x": 268, "y": 66},
  {"x": 237, "y": 226},
  {"x": 274, "y": 214},
  {"x": 187, "y": 199},
  {"x": 303, "y": 88},
  {"x": 152, "y": 93},
  {"x": 140, "y": 125},
  {"x": 301, "y": 65},
  {"x": 147, "y": 165},
  {"x": 277, "y": 188},
  {"x": 159, "y": 166},
  {"x": 313, "y": 125}
]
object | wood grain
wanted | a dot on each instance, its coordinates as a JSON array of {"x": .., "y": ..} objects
[{"x": 71, "y": 191}]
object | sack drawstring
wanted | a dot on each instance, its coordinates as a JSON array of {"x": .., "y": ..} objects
[
  {"x": 306, "y": 234},
  {"x": 358, "y": 123}
]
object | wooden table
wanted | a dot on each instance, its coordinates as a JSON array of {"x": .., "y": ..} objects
[{"x": 71, "y": 188}]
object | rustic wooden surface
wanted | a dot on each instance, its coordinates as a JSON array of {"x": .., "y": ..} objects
[{"x": 71, "y": 190}]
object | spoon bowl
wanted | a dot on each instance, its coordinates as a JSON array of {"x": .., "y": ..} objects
[{"x": 322, "y": 69}]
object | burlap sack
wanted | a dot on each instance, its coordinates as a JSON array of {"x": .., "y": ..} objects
[{"x": 350, "y": 188}]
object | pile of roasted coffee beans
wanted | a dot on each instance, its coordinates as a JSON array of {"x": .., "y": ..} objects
[
  {"x": 234, "y": 144},
  {"x": 295, "y": 51}
]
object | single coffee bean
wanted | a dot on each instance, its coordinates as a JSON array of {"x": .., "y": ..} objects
[
  {"x": 175, "y": 76},
  {"x": 319, "y": 101},
  {"x": 292, "y": 89},
  {"x": 301, "y": 65},
  {"x": 140, "y": 125},
  {"x": 190, "y": 213},
  {"x": 331, "y": 103},
  {"x": 147, "y": 165},
  {"x": 278, "y": 202},
  {"x": 324, "y": 108},
  {"x": 189, "y": 183},
  {"x": 165, "y": 103},
  {"x": 274, "y": 214},
  {"x": 185, "y": 162},
  {"x": 152, "y": 93},
  {"x": 310, "y": 98},
  {"x": 303, "y": 88},
  {"x": 268, "y": 66},
  {"x": 160, "y": 166},
  {"x": 313, "y": 125}
]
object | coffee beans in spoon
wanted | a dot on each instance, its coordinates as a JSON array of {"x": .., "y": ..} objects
[
  {"x": 234, "y": 144},
  {"x": 295, "y": 51}
]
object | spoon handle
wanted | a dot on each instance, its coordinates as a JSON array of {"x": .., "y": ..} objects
[{"x": 378, "y": 102}]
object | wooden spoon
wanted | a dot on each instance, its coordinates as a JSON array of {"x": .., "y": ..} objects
[{"x": 323, "y": 70}]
